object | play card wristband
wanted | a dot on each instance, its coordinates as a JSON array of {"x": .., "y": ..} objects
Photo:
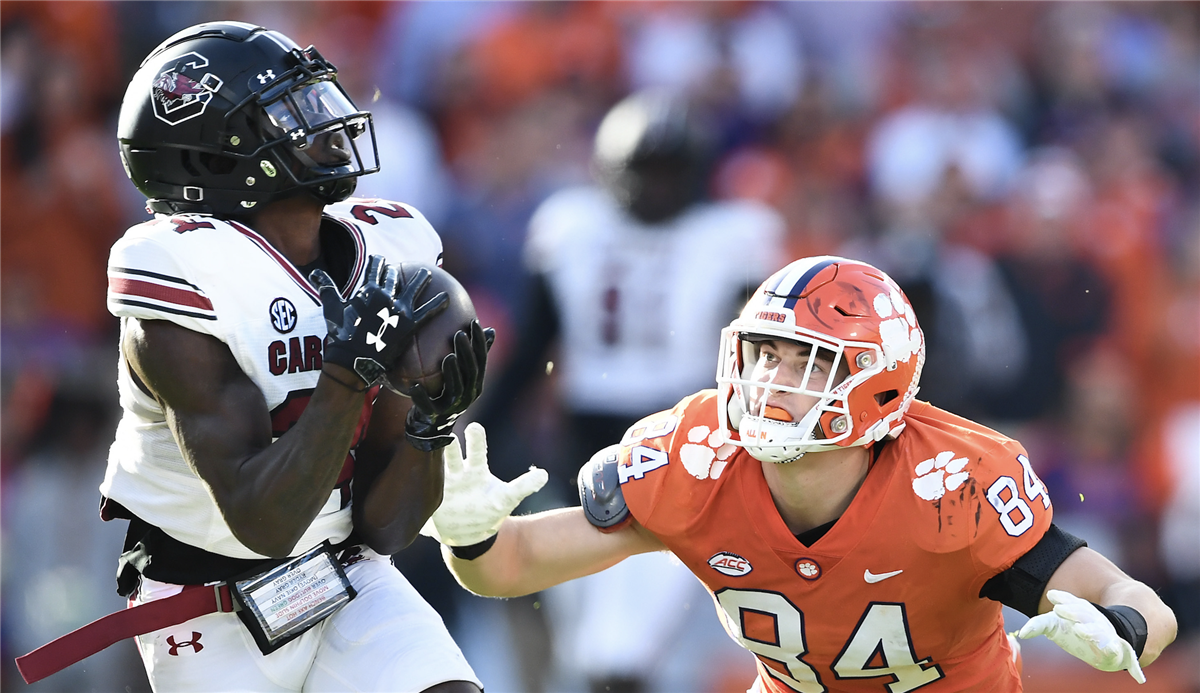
[{"x": 279, "y": 604}]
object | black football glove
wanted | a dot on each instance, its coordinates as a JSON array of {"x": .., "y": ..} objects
[
  {"x": 369, "y": 333},
  {"x": 430, "y": 419}
]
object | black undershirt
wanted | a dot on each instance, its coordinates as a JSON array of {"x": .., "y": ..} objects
[
  {"x": 319, "y": 263},
  {"x": 336, "y": 254},
  {"x": 811, "y": 536}
]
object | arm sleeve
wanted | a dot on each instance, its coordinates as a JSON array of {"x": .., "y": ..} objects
[
  {"x": 147, "y": 281},
  {"x": 1022, "y": 585}
]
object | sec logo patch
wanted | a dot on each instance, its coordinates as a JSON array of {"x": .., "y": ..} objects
[{"x": 283, "y": 315}]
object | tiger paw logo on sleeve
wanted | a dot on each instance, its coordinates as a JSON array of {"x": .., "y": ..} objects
[
  {"x": 706, "y": 453},
  {"x": 936, "y": 476}
]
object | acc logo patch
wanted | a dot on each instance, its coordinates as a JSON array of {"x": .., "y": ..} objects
[
  {"x": 177, "y": 96},
  {"x": 283, "y": 315},
  {"x": 808, "y": 569},
  {"x": 730, "y": 564}
]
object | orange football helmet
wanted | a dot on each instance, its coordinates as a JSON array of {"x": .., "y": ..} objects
[{"x": 846, "y": 312}]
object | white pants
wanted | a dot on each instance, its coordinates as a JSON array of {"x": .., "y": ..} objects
[{"x": 386, "y": 639}]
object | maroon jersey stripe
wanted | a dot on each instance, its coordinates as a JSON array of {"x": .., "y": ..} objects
[{"x": 158, "y": 292}]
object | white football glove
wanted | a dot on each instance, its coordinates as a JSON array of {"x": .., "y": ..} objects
[
  {"x": 1079, "y": 628},
  {"x": 474, "y": 502}
]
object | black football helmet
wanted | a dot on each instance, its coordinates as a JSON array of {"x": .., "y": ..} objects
[
  {"x": 224, "y": 117},
  {"x": 653, "y": 152}
]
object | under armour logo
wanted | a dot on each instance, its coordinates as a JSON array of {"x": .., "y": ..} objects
[
  {"x": 350, "y": 556},
  {"x": 264, "y": 77},
  {"x": 389, "y": 320},
  {"x": 193, "y": 643}
]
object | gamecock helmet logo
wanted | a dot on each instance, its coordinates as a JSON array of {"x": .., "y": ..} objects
[{"x": 178, "y": 97}]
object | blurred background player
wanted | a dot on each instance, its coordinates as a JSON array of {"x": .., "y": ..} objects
[
  {"x": 631, "y": 281},
  {"x": 624, "y": 272}
]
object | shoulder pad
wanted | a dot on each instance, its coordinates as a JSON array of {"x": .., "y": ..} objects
[{"x": 600, "y": 490}]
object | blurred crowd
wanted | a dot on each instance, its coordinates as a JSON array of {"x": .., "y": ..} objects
[{"x": 1028, "y": 172}]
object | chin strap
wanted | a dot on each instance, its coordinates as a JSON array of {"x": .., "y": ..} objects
[
  {"x": 333, "y": 191},
  {"x": 173, "y": 207}
]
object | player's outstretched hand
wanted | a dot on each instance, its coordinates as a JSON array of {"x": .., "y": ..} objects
[
  {"x": 369, "y": 333},
  {"x": 474, "y": 502},
  {"x": 430, "y": 419},
  {"x": 1079, "y": 628}
]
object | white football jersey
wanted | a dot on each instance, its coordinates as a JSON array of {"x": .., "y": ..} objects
[
  {"x": 641, "y": 307},
  {"x": 223, "y": 279}
]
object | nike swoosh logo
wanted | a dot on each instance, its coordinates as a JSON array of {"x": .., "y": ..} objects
[{"x": 873, "y": 578}]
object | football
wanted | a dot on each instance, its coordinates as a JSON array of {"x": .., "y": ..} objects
[{"x": 422, "y": 363}]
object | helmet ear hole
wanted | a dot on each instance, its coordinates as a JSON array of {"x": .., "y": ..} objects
[
  {"x": 882, "y": 398},
  {"x": 217, "y": 164},
  {"x": 188, "y": 164},
  {"x": 200, "y": 164}
]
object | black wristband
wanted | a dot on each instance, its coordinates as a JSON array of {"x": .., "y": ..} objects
[
  {"x": 470, "y": 553},
  {"x": 1129, "y": 624}
]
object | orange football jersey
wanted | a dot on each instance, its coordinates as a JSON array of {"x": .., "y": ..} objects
[{"x": 888, "y": 600}]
